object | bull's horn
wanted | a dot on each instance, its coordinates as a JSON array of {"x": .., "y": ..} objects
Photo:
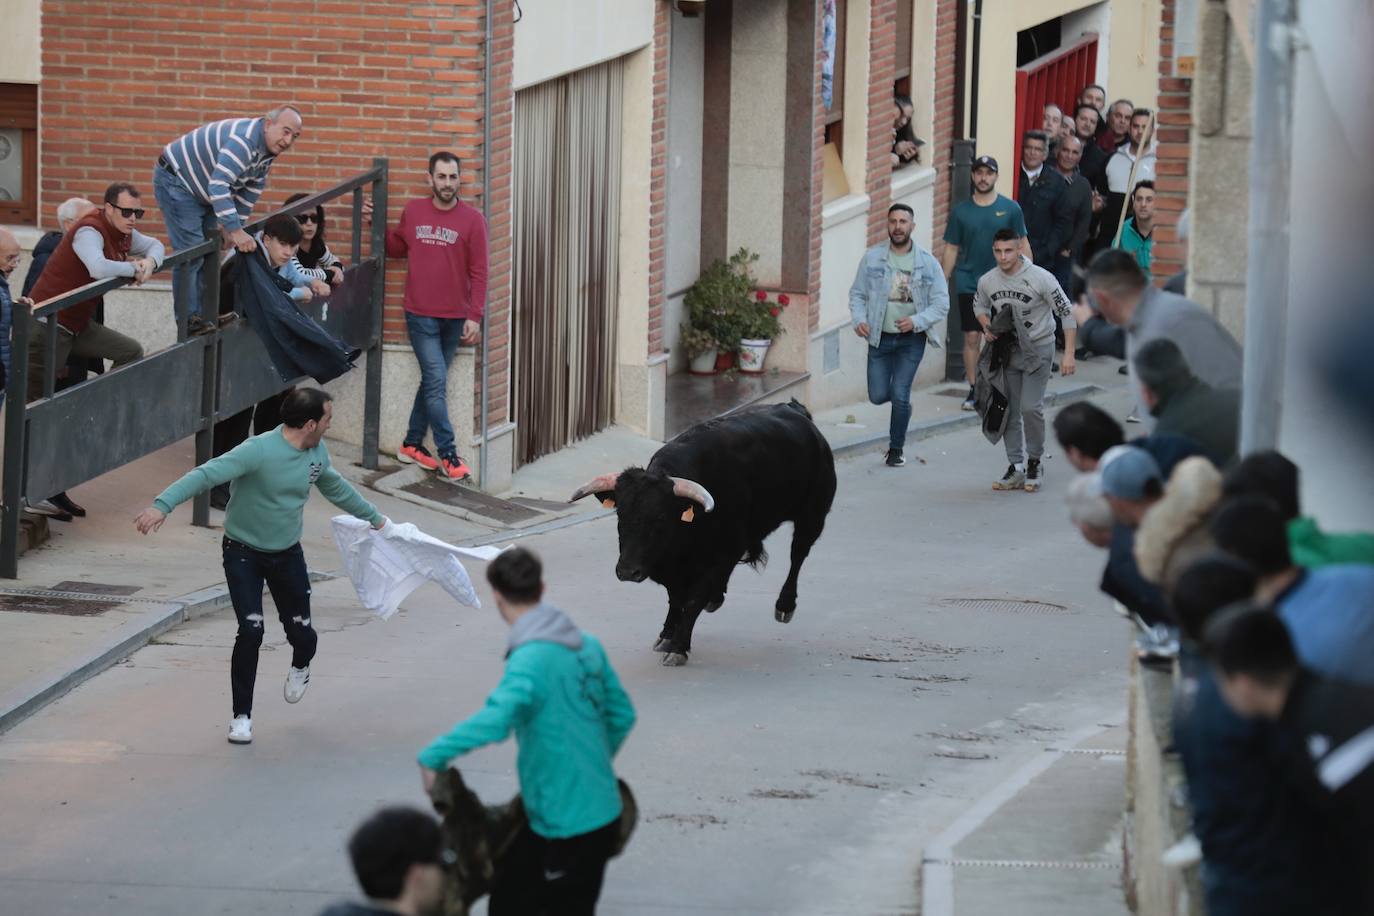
[
  {"x": 690, "y": 489},
  {"x": 599, "y": 484}
]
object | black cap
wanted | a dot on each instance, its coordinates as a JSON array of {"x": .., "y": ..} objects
[{"x": 986, "y": 162}]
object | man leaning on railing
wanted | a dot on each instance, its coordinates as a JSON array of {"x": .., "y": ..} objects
[{"x": 102, "y": 244}]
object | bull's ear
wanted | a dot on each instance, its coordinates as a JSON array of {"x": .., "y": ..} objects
[
  {"x": 608, "y": 502},
  {"x": 689, "y": 514}
]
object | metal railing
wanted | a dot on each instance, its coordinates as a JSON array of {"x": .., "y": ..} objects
[{"x": 65, "y": 438}]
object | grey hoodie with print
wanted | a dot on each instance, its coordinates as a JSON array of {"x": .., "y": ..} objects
[{"x": 1035, "y": 297}]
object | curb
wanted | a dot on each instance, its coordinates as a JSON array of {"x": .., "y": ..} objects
[
  {"x": 925, "y": 429},
  {"x": 182, "y": 609}
]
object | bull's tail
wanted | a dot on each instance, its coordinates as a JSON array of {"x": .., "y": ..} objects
[
  {"x": 756, "y": 556},
  {"x": 800, "y": 407}
]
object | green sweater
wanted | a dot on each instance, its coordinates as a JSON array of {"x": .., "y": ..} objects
[
  {"x": 570, "y": 715},
  {"x": 269, "y": 482},
  {"x": 1313, "y": 548}
]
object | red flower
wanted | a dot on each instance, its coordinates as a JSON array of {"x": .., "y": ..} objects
[
  {"x": 761, "y": 296},
  {"x": 783, "y": 300},
  {"x": 775, "y": 312}
]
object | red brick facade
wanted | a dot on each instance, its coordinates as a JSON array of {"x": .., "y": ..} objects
[
  {"x": 658, "y": 182},
  {"x": 945, "y": 131},
  {"x": 376, "y": 78},
  {"x": 882, "y": 55},
  {"x": 1174, "y": 129}
]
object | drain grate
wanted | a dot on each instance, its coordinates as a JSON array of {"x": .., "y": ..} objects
[
  {"x": 95, "y": 588},
  {"x": 66, "y": 604},
  {"x": 1006, "y": 605},
  {"x": 1072, "y": 865},
  {"x": 959, "y": 392}
]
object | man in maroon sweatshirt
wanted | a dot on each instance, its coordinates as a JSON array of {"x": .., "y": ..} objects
[{"x": 444, "y": 242}]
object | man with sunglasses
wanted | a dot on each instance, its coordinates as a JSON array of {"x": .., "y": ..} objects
[
  {"x": 102, "y": 244},
  {"x": 207, "y": 182}
]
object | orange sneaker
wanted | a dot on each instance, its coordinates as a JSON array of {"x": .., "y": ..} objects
[
  {"x": 453, "y": 467},
  {"x": 417, "y": 454}
]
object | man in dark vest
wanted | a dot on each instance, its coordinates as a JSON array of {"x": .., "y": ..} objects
[{"x": 100, "y": 245}]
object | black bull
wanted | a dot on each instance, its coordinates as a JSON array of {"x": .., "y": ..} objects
[{"x": 706, "y": 502}]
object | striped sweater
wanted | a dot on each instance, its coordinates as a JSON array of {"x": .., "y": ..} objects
[{"x": 225, "y": 165}]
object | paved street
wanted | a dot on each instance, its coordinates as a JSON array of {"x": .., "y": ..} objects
[{"x": 787, "y": 769}]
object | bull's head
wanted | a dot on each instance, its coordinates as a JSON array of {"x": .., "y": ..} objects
[{"x": 651, "y": 508}]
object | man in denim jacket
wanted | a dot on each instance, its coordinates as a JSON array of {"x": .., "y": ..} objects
[{"x": 898, "y": 295}]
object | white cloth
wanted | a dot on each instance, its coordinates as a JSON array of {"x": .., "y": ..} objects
[{"x": 387, "y": 565}]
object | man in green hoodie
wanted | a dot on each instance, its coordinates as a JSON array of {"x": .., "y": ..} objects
[
  {"x": 270, "y": 477},
  {"x": 570, "y": 715}
]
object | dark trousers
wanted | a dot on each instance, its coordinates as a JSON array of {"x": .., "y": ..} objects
[
  {"x": 542, "y": 877},
  {"x": 284, "y": 573}
]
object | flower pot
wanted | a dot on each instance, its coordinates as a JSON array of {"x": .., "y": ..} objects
[
  {"x": 752, "y": 354},
  {"x": 724, "y": 360},
  {"x": 703, "y": 363}
]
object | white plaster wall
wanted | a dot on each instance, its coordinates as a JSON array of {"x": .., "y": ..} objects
[
  {"x": 758, "y": 96},
  {"x": 1330, "y": 179},
  {"x": 1096, "y": 18},
  {"x": 555, "y": 37},
  {"x": 684, "y": 177},
  {"x": 20, "y": 47}
]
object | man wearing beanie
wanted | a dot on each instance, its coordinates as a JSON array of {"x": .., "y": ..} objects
[{"x": 1184, "y": 405}]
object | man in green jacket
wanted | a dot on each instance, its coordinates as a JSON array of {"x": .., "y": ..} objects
[
  {"x": 570, "y": 715},
  {"x": 1270, "y": 474},
  {"x": 270, "y": 476}
]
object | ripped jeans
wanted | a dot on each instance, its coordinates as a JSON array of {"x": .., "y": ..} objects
[{"x": 245, "y": 571}]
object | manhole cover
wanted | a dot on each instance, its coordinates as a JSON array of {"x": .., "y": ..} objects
[
  {"x": 55, "y": 604},
  {"x": 1006, "y": 605},
  {"x": 472, "y": 500}
]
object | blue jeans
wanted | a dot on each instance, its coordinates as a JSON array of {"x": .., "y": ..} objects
[
  {"x": 892, "y": 366},
  {"x": 189, "y": 223},
  {"x": 434, "y": 341},
  {"x": 285, "y": 574}
]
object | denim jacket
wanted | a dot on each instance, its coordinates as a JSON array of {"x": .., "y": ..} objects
[{"x": 868, "y": 295}]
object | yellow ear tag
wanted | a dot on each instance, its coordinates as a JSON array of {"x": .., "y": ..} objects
[
  {"x": 608, "y": 503},
  {"x": 689, "y": 514}
]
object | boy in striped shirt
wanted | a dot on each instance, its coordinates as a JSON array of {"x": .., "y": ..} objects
[{"x": 207, "y": 181}]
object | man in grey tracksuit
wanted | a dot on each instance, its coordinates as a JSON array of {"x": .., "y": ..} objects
[{"x": 1035, "y": 297}]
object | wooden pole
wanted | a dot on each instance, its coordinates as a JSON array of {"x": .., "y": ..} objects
[{"x": 1130, "y": 183}]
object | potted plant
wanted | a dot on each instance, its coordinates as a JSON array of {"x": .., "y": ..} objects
[
  {"x": 760, "y": 323},
  {"x": 716, "y": 302},
  {"x": 701, "y": 350}
]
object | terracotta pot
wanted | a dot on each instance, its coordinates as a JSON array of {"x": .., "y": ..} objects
[{"x": 725, "y": 360}]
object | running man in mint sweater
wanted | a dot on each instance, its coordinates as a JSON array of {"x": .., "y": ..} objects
[
  {"x": 570, "y": 715},
  {"x": 269, "y": 477}
]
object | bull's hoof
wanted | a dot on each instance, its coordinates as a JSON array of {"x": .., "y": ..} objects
[
  {"x": 782, "y": 616},
  {"x": 663, "y": 645},
  {"x": 675, "y": 659}
]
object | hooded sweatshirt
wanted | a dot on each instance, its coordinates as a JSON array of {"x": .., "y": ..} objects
[
  {"x": 570, "y": 715},
  {"x": 1035, "y": 298}
]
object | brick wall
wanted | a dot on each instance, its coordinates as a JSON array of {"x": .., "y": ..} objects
[
  {"x": 658, "y": 183},
  {"x": 372, "y": 78},
  {"x": 882, "y": 52},
  {"x": 1173, "y": 133},
  {"x": 945, "y": 129},
  {"x": 499, "y": 231}
]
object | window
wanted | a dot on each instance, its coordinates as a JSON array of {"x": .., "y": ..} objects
[
  {"x": 832, "y": 71},
  {"x": 18, "y": 153},
  {"x": 904, "y": 151}
]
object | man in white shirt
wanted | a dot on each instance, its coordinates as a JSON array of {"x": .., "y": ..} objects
[{"x": 1118, "y": 176}]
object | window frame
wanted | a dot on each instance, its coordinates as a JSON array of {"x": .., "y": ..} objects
[{"x": 19, "y": 110}]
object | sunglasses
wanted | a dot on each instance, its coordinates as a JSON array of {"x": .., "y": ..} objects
[
  {"x": 129, "y": 212},
  {"x": 304, "y": 218}
]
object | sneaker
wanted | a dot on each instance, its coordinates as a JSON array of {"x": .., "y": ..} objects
[
  {"x": 1132, "y": 417},
  {"x": 417, "y": 454},
  {"x": 45, "y": 507},
  {"x": 1013, "y": 479},
  {"x": 970, "y": 402},
  {"x": 241, "y": 730},
  {"x": 297, "y": 679},
  {"x": 196, "y": 326},
  {"x": 452, "y": 467},
  {"x": 894, "y": 458},
  {"x": 1034, "y": 476},
  {"x": 65, "y": 503}
]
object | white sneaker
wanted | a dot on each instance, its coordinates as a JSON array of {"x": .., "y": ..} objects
[
  {"x": 297, "y": 679},
  {"x": 241, "y": 730}
]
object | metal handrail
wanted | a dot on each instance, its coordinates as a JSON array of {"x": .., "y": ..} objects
[{"x": 17, "y": 420}]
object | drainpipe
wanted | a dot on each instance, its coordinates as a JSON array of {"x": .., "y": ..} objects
[
  {"x": 1266, "y": 272},
  {"x": 486, "y": 214},
  {"x": 977, "y": 56}
]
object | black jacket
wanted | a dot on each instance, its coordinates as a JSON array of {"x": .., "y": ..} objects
[
  {"x": 296, "y": 343},
  {"x": 1047, "y": 223},
  {"x": 1077, "y": 202},
  {"x": 41, "y": 252}
]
